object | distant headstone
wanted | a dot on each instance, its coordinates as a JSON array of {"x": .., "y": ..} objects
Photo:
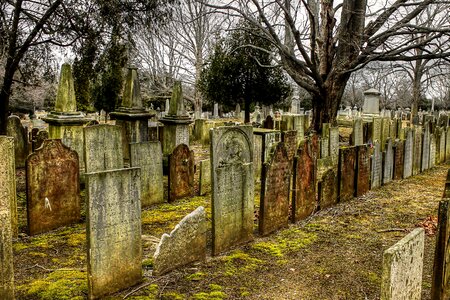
[
  {"x": 385, "y": 122},
  {"x": 347, "y": 172},
  {"x": 53, "y": 187},
  {"x": 148, "y": 157},
  {"x": 442, "y": 135},
  {"x": 432, "y": 151},
  {"x": 362, "y": 170},
  {"x": 289, "y": 138},
  {"x": 6, "y": 256},
  {"x": 20, "y": 135},
  {"x": 447, "y": 145},
  {"x": 216, "y": 110},
  {"x": 184, "y": 245},
  {"x": 377, "y": 166},
  {"x": 113, "y": 231},
  {"x": 376, "y": 129},
  {"x": 371, "y": 102},
  {"x": 103, "y": 148},
  {"x": 417, "y": 150},
  {"x": 304, "y": 201},
  {"x": 275, "y": 184},
  {"x": 402, "y": 268},
  {"x": 408, "y": 154},
  {"x": 205, "y": 177},
  {"x": 181, "y": 173},
  {"x": 388, "y": 162},
  {"x": 399, "y": 151},
  {"x": 357, "y": 134},
  {"x": 232, "y": 186},
  {"x": 425, "y": 164},
  {"x": 8, "y": 181}
]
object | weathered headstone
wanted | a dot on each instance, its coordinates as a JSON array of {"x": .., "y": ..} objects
[
  {"x": 6, "y": 256},
  {"x": 232, "y": 186},
  {"x": 53, "y": 187},
  {"x": 325, "y": 141},
  {"x": 377, "y": 166},
  {"x": 347, "y": 172},
  {"x": 402, "y": 268},
  {"x": 275, "y": 184},
  {"x": 399, "y": 151},
  {"x": 113, "y": 231},
  {"x": 185, "y": 244},
  {"x": 357, "y": 134},
  {"x": 334, "y": 144},
  {"x": 388, "y": 162},
  {"x": 8, "y": 181},
  {"x": 385, "y": 122},
  {"x": 432, "y": 149},
  {"x": 328, "y": 186},
  {"x": 264, "y": 141},
  {"x": 417, "y": 150},
  {"x": 376, "y": 129},
  {"x": 408, "y": 155},
  {"x": 148, "y": 157},
  {"x": 442, "y": 135},
  {"x": 425, "y": 163},
  {"x": 181, "y": 173},
  {"x": 371, "y": 102},
  {"x": 16, "y": 130},
  {"x": 103, "y": 148},
  {"x": 289, "y": 138},
  {"x": 304, "y": 201},
  {"x": 205, "y": 177},
  {"x": 362, "y": 170}
]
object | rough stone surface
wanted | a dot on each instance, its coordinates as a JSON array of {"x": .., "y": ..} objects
[
  {"x": 232, "y": 186},
  {"x": 103, "y": 148},
  {"x": 325, "y": 141},
  {"x": 181, "y": 173},
  {"x": 289, "y": 138},
  {"x": 399, "y": 147},
  {"x": 328, "y": 185},
  {"x": 385, "y": 122},
  {"x": 148, "y": 157},
  {"x": 53, "y": 187},
  {"x": 388, "y": 162},
  {"x": 362, "y": 170},
  {"x": 408, "y": 155},
  {"x": 376, "y": 170},
  {"x": 41, "y": 136},
  {"x": 72, "y": 136},
  {"x": 65, "y": 98},
  {"x": 113, "y": 231},
  {"x": 432, "y": 150},
  {"x": 304, "y": 196},
  {"x": 376, "y": 130},
  {"x": 20, "y": 135},
  {"x": 205, "y": 177},
  {"x": 184, "y": 245},
  {"x": 8, "y": 181},
  {"x": 402, "y": 268},
  {"x": 6, "y": 257},
  {"x": 347, "y": 173},
  {"x": 425, "y": 163},
  {"x": 275, "y": 184},
  {"x": 334, "y": 144},
  {"x": 357, "y": 134}
]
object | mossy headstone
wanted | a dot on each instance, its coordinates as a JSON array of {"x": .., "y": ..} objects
[
  {"x": 8, "y": 181},
  {"x": 181, "y": 173},
  {"x": 6, "y": 256}
]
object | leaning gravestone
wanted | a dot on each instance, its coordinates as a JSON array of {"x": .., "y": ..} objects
[
  {"x": 8, "y": 181},
  {"x": 275, "y": 184},
  {"x": 362, "y": 170},
  {"x": 148, "y": 157},
  {"x": 181, "y": 173},
  {"x": 113, "y": 231},
  {"x": 402, "y": 268},
  {"x": 20, "y": 135},
  {"x": 53, "y": 187},
  {"x": 103, "y": 148},
  {"x": 185, "y": 244},
  {"x": 304, "y": 195},
  {"x": 232, "y": 186},
  {"x": 205, "y": 177},
  {"x": 347, "y": 173},
  {"x": 6, "y": 256}
]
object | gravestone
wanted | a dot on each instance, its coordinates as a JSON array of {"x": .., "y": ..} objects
[
  {"x": 232, "y": 186},
  {"x": 176, "y": 122},
  {"x": 294, "y": 122},
  {"x": 362, "y": 170},
  {"x": 334, "y": 144},
  {"x": 41, "y": 136},
  {"x": 377, "y": 166},
  {"x": 8, "y": 181},
  {"x": 388, "y": 162},
  {"x": 425, "y": 163},
  {"x": 304, "y": 201},
  {"x": 113, "y": 231},
  {"x": 441, "y": 268},
  {"x": 53, "y": 187},
  {"x": 328, "y": 186},
  {"x": 6, "y": 256},
  {"x": 103, "y": 148},
  {"x": 432, "y": 150},
  {"x": 275, "y": 185},
  {"x": 376, "y": 129},
  {"x": 402, "y": 268},
  {"x": 185, "y": 244},
  {"x": 65, "y": 122},
  {"x": 393, "y": 129},
  {"x": 205, "y": 177},
  {"x": 264, "y": 141},
  {"x": 442, "y": 135},
  {"x": 371, "y": 102},
  {"x": 16, "y": 130},
  {"x": 148, "y": 157},
  {"x": 417, "y": 150},
  {"x": 325, "y": 141},
  {"x": 347, "y": 173},
  {"x": 181, "y": 173},
  {"x": 399, "y": 151},
  {"x": 289, "y": 138},
  {"x": 357, "y": 134},
  {"x": 408, "y": 154},
  {"x": 385, "y": 122},
  {"x": 131, "y": 115}
]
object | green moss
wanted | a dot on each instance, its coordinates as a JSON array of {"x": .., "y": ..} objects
[
  {"x": 196, "y": 276},
  {"x": 294, "y": 239},
  {"x": 374, "y": 278},
  {"x": 17, "y": 247},
  {"x": 214, "y": 295},
  {"x": 172, "y": 296},
  {"x": 215, "y": 287},
  {"x": 76, "y": 239},
  {"x": 60, "y": 284},
  {"x": 147, "y": 263},
  {"x": 268, "y": 248},
  {"x": 37, "y": 254},
  {"x": 238, "y": 262}
]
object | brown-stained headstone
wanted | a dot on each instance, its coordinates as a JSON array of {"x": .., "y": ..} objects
[
  {"x": 114, "y": 245},
  {"x": 328, "y": 189},
  {"x": 304, "y": 200},
  {"x": 181, "y": 173},
  {"x": 347, "y": 172},
  {"x": 275, "y": 183},
  {"x": 289, "y": 138},
  {"x": 398, "y": 148},
  {"x": 53, "y": 187},
  {"x": 8, "y": 181},
  {"x": 362, "y": 170}
]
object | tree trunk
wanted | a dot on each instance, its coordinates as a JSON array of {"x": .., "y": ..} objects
[{"x": 5, "y": 94}]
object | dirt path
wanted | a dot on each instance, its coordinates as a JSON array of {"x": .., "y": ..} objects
[{"x": 335, "y": 254}]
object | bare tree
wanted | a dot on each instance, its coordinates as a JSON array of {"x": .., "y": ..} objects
[{"x": 327, "y": 51}]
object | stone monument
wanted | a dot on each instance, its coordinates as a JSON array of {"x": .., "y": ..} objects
[{"x": 371, "y": 102}]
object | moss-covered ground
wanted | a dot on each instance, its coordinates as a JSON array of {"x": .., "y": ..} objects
[{"x": 334, "y": 254}]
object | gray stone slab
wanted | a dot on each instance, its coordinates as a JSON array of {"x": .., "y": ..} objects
[
  {"x": 113, "y": 231},
  {"x": 6, "y": 256},
  {"x": 408, "y": 155},
  {"x": 388, "y": 162},
  {"x": 148, "y": 157},
  {"x": 358, "y": 134},
  {"x": 205, "y": 177},
  {"x": 417, "y": 150},
  {"x": 8, "y": 179},
  {"x": 432, "y": 150},
  {"x": 376, "y": 170},
  {"x": 402, "y": 268},
  {"x": 425, "y": 164},
  {"x": 185, "y": 244}
]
